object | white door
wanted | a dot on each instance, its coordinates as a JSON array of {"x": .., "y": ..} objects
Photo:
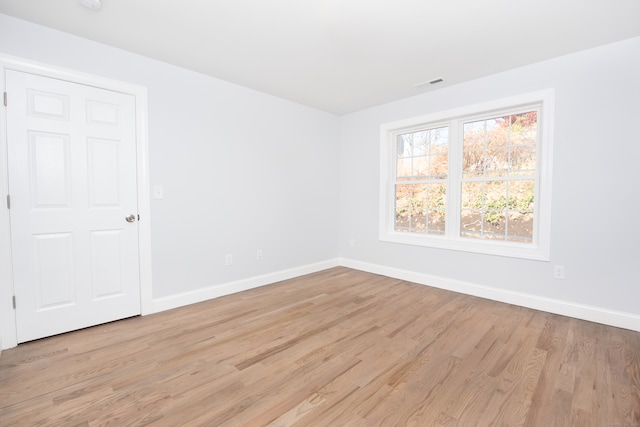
[{"x": 72, "y": 183}]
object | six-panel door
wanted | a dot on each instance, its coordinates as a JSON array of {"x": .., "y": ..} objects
[{"x": 72, "y": 181}]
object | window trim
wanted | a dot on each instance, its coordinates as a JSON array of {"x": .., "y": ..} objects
[{"x": 540, "y": 247}]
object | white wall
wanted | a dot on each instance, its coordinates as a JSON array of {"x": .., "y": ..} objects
[
  {"x": 244, "y": 171},
  {"x": 596, "y": 174},
  {"x": 241, "y": 170}
]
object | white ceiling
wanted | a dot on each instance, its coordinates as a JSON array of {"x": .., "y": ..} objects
[{"x": 342, "y": 55}]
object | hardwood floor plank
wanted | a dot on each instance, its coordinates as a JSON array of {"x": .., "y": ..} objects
[
  {"x": 298, "y": 412},
  {"x": 338, "y": 347}
]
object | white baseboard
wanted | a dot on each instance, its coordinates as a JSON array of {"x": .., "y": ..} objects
[
  {"x": 566, "y": 308},
  {"x": 204, "y": 294}
]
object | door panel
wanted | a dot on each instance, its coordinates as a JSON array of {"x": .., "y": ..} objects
[
  {"x": 72, "y": 180},
  {"x": 54, "y": 266},
  {"x": 50, "y": 185},
  {"x": 103, "y": 180},
  {"x": 106, "y": 247}
]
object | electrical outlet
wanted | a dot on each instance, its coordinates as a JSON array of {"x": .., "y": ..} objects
[
  {"x": 558, "y": 272},
  {"x": 259, "y": 254},
  {"x": 352, "y": 242},
  {"x": 228, "y": 260}
]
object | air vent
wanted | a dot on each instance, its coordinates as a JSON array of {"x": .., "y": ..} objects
[{"x": 428, "y": 83}]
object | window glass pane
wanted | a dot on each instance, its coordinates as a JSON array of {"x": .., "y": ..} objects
[
  {"x": 421, "y": 143},
  {"x": 423, "y": 154},
  {"x": 521, "y": 194},
  {"x": 419, "y": 221},
  {"x": 420, "y": 208},
  {"x": 494, "y": 225},
  {"x": 410, "y": 208},
  {"x": 404, "y": 145},
  {"x": 473, "y": 163},
  {"x": 520, "y": 211},
  {"x": 439, "y": 142},
  {"x": 495, "y": 204},
  {"x": 474, "y": 135},
  {"x": 498, "y": 132},
  {"x": 421, "y": 166},
  {"x": 471, "y": 195},
  {"x": 437, "y": 196},
  {"x": 523, "y": 128},
  {"x": 484, "y": 207},
  {"x": 436, "y": 204},
  {"x": 474, "y": 146},
  {"x": 404, "y": 167},
  {"x": 439, "y": 166},
  {"x": 485, "y": 213},
  {"x": 520, "y": 226},
  {"x": 500, "y": 146},
  {"x": 497, "y": 161},
  {"x": 403, "y": 206},
  {"x": 470, "y": 222},
  {"x": 523, "y": 143},
  {"x": 436, "y": 223},
  {"x": 523, "y": 160}
]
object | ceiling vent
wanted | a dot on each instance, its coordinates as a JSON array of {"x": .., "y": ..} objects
[{"x": 427, "y": 83}]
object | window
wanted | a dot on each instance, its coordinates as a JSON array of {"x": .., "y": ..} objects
[
  {"x": 475, "y": 179},
  {"x": 421, "y": 180}
]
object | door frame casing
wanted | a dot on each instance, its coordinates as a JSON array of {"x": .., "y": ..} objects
[{"x": 8, "y": 332}]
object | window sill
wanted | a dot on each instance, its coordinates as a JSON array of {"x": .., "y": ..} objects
[{"x": 485, "y": 247}]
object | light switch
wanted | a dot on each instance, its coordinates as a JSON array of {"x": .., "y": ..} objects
[{"x": 158, "y": 192}]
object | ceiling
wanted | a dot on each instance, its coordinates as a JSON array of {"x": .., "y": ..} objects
[{"x": 342, "y": 56}]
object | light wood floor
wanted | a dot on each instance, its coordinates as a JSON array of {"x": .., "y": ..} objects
[{"x": 335, "y": 348}]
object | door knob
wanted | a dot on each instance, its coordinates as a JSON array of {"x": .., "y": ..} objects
[{"x": 130, "y": 218}]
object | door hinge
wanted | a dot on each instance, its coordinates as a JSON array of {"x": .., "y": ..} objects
[
  {"x": 138, "y": 217},
  {"x": 5, "y": 99},
  {"x": 14, "y": 302},
  {"x": 8, "y": 201}
]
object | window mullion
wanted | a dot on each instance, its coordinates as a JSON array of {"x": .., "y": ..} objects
[{"x": 454, "y": 179}]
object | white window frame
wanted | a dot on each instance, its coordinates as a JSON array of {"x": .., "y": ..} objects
[{"x": 539, "y": 248}]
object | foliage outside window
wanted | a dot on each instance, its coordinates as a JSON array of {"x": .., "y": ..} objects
[
  {"x": 498, "y": 177},
  {"x": 475, "y": 179},
  {"x": 421, "y": 173}
]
